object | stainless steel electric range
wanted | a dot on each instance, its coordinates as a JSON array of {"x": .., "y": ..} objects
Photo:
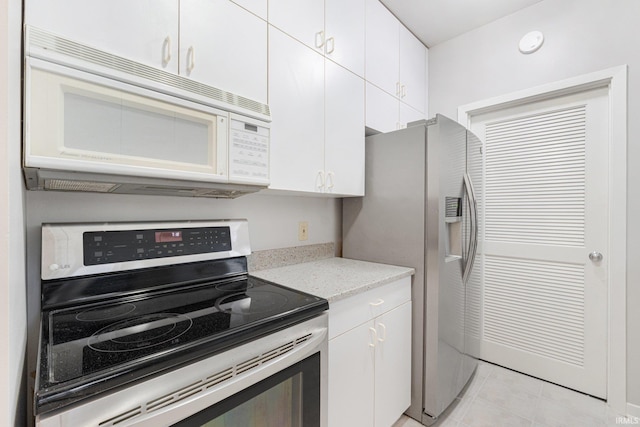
[{"x": 160, "y": 324}]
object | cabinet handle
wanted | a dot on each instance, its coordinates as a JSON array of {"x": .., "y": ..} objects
[
  {"x": 384, "y": 332},
  {"x": 191, "y": 59},
  {"x": 330, "y": 41},
  {"x": 397, "y": 88},
  {"x": 403, "y": 91},
  {"x": 377, "y": 303},
  {"x": 319, "y": 39},
  {"x": 330, "y": 181},
  {"x": 374, "y": 337},
  {"x": 166, "y": 51},
  {"x": 320, "y": 180}
]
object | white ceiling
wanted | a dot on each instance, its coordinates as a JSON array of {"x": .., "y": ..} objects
[{"x": 435, "y": 21}]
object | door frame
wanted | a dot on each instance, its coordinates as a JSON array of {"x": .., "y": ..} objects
[{"x": 616, "y": 80}]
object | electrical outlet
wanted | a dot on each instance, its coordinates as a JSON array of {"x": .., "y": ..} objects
[{"x": 303, "y": 230}]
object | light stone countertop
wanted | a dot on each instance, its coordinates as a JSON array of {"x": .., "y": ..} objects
[{"x": 334, "y": 278}]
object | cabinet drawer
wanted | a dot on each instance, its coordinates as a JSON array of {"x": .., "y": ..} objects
[{"x": 350, "y": 312}]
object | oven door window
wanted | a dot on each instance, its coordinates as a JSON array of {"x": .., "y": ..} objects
[{"x": 289, "y": 398}]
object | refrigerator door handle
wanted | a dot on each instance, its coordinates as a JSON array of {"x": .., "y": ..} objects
[{"x": 473, "y": 241}]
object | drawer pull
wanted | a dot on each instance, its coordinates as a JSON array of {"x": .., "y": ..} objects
[{"x": 377, "y": 303}]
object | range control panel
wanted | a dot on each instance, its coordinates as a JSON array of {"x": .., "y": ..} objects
[{"x": 105, "y": 247}]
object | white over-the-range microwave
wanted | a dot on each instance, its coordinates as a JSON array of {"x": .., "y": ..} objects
[{"x": 98, "y": 122}]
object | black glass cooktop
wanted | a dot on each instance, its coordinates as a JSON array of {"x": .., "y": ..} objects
[{"x": 98, "y": 346}]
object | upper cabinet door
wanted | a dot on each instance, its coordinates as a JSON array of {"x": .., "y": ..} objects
[
  {"x": 413, "y": 70},
  {"x": 224, "y": 45},
  {"x": 345, "y": 33},
  {"x": 344, "y": 131},
  {"x": 381, "y": 109},
  {"x": 382, "y": 48},
  {"x": 145, "y": 31},
  {"x": 301, "y": 19},
  {"x": 296, "y": 98},
  {"x": 258, "y": 7}
]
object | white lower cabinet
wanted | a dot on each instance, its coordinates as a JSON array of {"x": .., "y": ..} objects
[
  {"x": 370, "y": 357},
  {"x": 393, "y": 365}
]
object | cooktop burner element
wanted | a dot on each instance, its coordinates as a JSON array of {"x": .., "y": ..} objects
[
  {"x": 233, "y": 287},
  {"x": 108, "y": 313},
  {"x": 261, "y": 302},
  {"x": 140, "y": 332}
]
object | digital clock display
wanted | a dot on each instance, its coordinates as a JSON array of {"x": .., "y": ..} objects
[{"x": 168, "y": 236}]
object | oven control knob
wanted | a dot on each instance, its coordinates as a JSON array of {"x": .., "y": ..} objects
[{"x": 54, "y": 267}]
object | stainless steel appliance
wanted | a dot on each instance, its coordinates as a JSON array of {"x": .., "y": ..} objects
[
  {"x": 421, "y": 210},
  {"x": 149, "y": 324},
  {"x": 97, "y": 122}
]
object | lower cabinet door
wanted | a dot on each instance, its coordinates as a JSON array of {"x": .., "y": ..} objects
[
  {"x": 392, "y": 365},
  {"x": 351, "y": 377}
]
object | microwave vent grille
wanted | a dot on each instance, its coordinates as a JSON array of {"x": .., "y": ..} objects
[
  {"x": 68, "y": 185},
  {"x": 52, "y": 43}
]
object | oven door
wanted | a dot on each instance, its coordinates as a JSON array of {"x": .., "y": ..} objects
[
  {"x": 289, "y": 398},
  {"x": 279, "y": 379}
]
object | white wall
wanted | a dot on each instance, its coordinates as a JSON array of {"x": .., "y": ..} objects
[
  {"x": 12, "y": 282},
  {"x": 273, "y": 223},
  {"x": 581, "y": 36}
]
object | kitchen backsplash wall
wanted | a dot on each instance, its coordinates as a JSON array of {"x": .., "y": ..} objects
[{"x": 274, "y": 258}]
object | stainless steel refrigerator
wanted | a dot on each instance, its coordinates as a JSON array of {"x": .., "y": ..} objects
[{"x": 423, "y": 193}]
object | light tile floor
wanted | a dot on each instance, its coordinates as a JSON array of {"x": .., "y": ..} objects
[{"x": 497, "y": 397}]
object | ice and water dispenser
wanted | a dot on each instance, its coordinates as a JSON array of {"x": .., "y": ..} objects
[{"x": 453, "y": 223}]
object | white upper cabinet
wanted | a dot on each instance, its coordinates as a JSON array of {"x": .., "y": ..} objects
[
  {"x": 382, "y": 110},
  {"x": 408, "y": 114},
  {"x": 382, "y": 47},
  {"x": 396, "y": 71},
  {"x": 413, "y": 70},
  {"x": 258, "y": 7},
  {"x": 335, "y": 28},
  {"x": 317, "y": 133},
  {"x": 344, "y": 131},
  {"x": 301, "y": 19},
  {"x": 345, "y": 33},
  {"x": 395, "y": 58},
  {"x": 215, "y": 42},
  {"x": 296, "y": 99},
  {"x": 386, "y": 113},
  {"x": 224, "y": 45},
  {"x": 143, "y": 30}
]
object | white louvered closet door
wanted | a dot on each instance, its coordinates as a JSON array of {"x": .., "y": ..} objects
[{"x": 544, "y": 301}]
